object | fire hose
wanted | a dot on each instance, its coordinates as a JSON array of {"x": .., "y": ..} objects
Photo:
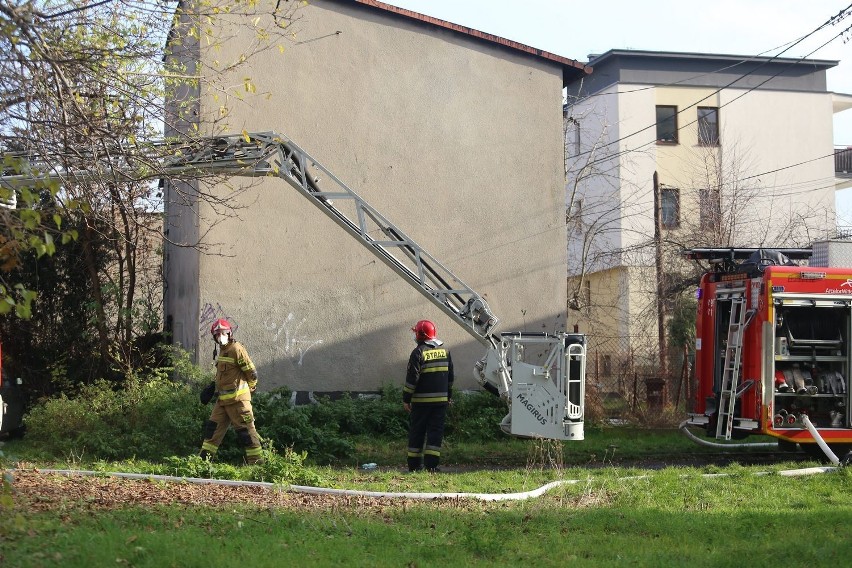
[
  {"x": 805, "y": 421},
  {"x": 385, "y": 494}
]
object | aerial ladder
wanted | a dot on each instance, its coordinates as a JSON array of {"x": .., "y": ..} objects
[{"x": 545, "y": 398}]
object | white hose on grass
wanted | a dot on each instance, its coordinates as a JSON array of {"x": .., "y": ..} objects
[
  {"x": 386, "y": 494},
  {"x": 319, "y": 490},
  {"x": 805, "y": 421},
  {"x": 697, "y": 440}
]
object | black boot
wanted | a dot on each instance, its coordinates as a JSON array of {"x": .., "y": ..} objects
[
  {"x": 431, "y": 463},
  {"x": 415, "y": 464}
]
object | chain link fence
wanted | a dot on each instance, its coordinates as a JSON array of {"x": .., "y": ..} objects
[{"x": 626, "y": 385}]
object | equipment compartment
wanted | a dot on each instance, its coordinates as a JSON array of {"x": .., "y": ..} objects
[{"x": 811, "y": 374}]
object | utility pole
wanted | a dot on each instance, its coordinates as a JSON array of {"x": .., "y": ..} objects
[{"x": 658, "y": 254}]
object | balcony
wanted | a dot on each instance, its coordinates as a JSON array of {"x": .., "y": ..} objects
[{"x": 843, "y": 162}]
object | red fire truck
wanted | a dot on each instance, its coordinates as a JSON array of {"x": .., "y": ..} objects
[{"x": 773, "y": 346}]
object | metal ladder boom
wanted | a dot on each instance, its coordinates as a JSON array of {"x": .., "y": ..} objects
[
  {"x": 269, "y": 154},
  {"x": 731, "y": 369}
]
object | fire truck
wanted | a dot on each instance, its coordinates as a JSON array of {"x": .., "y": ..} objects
[
  {"x": 772, "y": 348},
  {"x": 541, "y": 376}
]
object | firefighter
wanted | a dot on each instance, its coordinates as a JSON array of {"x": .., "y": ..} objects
[
  {"x": 236, "y": 379},
  {"x": 426, "y": 395}
]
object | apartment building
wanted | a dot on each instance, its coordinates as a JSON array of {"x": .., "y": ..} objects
[{"x": 670, "y": 150}]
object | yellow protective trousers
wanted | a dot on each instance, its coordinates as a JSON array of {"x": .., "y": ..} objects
[{"x": 239, "y": 415}]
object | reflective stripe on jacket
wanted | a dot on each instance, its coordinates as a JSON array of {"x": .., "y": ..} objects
[
  {"x": 235, "y": 373},
  {"x": 429, "y": 378}
]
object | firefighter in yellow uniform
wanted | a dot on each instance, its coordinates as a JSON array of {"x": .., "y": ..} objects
[{"x": 236, "y": 379}]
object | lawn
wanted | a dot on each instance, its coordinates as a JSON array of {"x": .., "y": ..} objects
[{"x": 616, "y": 512}]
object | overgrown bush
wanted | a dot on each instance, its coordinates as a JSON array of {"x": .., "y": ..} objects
[
  {"x": 147, "y": 418},
  {"x": 325, "y": 430},
  {"x": 475, "y": 416},
  {"x": 155, "y": 416},
  {"x": 293, "y": 427}
]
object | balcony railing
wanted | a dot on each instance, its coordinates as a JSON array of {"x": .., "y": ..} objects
[{"x": 843, "y": 161}]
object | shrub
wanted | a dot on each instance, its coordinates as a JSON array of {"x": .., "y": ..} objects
[
  {"x": 148, "y": 417},
  {"x": 287, "y": 467},
  {"x": 153, "y": 416},
  {"x": 145, "y": 420},
  {"x": 300, "y": 428},
  {"x": 475, "y": 416}
]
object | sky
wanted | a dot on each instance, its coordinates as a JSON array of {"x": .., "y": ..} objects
[{"x": 738, "y": 27}]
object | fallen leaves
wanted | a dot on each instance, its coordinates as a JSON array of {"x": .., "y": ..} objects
[{"x": 36, "y": 491}]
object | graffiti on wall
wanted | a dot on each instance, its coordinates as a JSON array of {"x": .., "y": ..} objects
[
  {"x": 211, "y": 313},
  {"x": 288, "y": 338}
]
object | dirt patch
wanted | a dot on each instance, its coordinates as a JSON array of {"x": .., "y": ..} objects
[{"x": 35, "y": 491}]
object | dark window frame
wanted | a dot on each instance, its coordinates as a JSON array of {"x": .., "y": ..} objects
[
  {"x": 706, "y": 135},
  {"x": 664, "y": 192},
  {"x": 607, "y": 365},
  {"x": 662, "y": 133}
]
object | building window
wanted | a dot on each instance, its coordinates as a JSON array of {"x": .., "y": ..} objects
[
  {"x": 572, "y": 136},
  {"x": 670, "y": 207},
  {"x": 708, "y": 126},
  {"x": 667, "y": 124}
]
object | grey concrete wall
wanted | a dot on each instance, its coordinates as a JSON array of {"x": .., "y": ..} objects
[
  {"x": 181, "y": 224},
  {"x": 457, "y": 142}
]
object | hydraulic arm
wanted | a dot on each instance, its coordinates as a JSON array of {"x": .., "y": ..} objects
[{"x": 553, "y": 397}]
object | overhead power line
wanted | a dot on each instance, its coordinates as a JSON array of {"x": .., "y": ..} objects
[{"x": 831, "y": 21}]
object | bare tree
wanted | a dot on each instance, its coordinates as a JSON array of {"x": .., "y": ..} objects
[
  {"x": 83, "y": 100},
  {"x": 719, "y": 202}
]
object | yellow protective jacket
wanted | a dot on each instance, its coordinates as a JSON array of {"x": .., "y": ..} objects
[{"x": 236, "y": 376}]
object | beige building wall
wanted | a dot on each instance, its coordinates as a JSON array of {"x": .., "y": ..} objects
[
  {"x": 456, "y": 141},
  {"x": 759, "y": 133}
]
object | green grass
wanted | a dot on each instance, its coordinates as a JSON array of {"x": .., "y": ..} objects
[
  {"x": 674, "y": 517},
  {"x": 616, "y": 514},
  {"x": 601, "y": 446}
]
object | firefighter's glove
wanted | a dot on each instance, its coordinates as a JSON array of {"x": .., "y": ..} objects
[{"x": 208, "y": 393}]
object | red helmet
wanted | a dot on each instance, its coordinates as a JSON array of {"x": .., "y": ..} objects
[
  {"x": 424, "y": 330},
  {"x": 220, "y": 325}
]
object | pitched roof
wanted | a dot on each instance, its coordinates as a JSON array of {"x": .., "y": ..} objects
[{"x": 571, "y": 68}]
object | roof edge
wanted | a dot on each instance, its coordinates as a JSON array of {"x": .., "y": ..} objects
[
  {"x": 597, "y": 58},
  {"x": 572, "y": 64}
]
